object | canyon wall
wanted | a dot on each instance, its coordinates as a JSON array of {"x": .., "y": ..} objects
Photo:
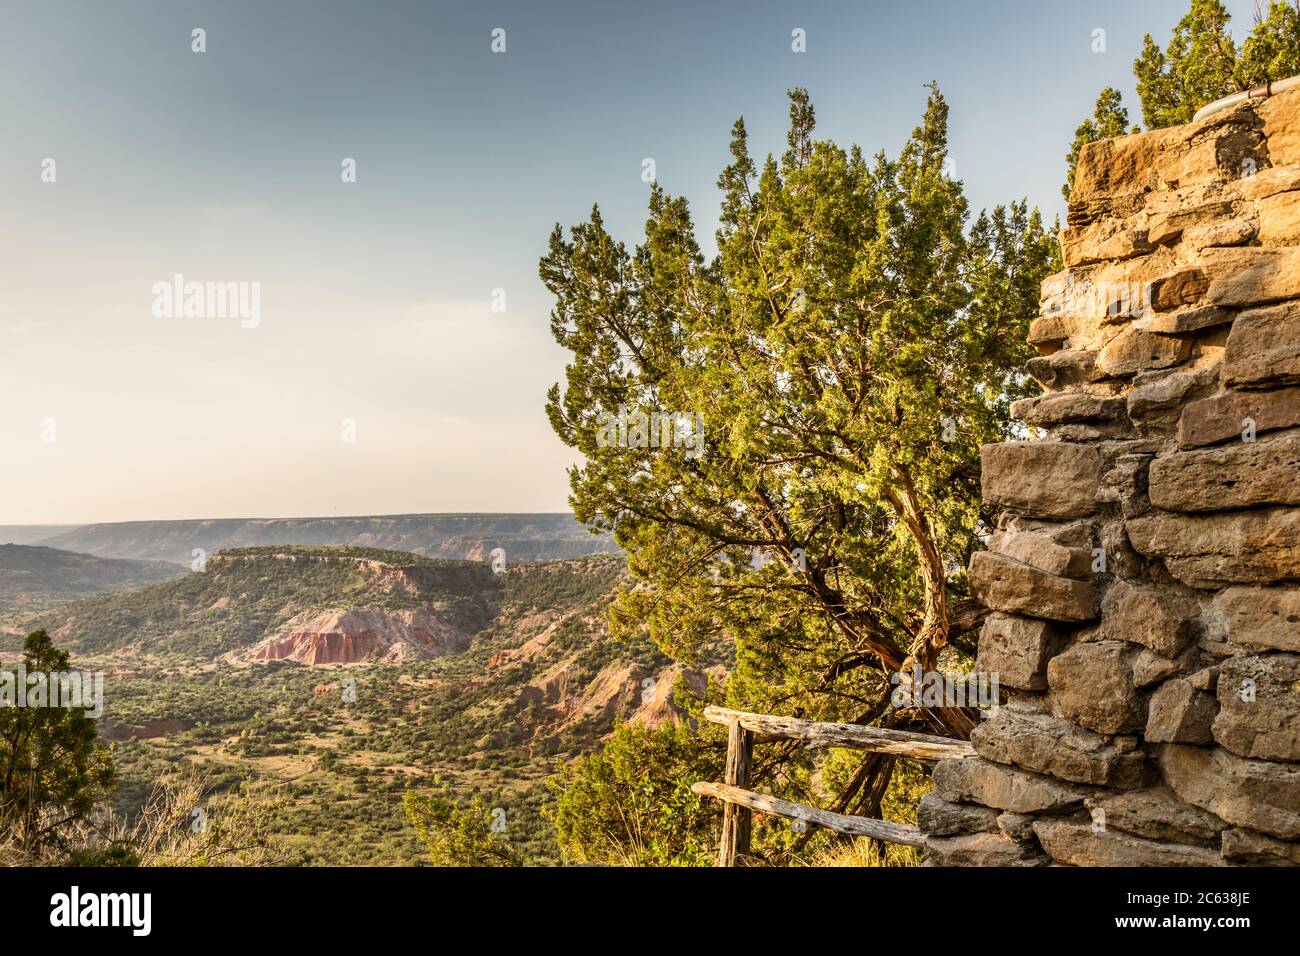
[{"x": 1144, "y": 575}]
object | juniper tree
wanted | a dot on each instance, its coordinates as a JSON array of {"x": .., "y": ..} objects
[
  {"x": 852, "y": 344},
  {"x": 53, "y": 771}
]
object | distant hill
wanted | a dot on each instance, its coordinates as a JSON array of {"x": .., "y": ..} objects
[
  {"x": 312, "y": 604},
  {"x": 524, "y": 537},
  {"x": 36, "y": 578},
  {"x": 32, "y": 533},
  {"x": 462, "y": 682}
]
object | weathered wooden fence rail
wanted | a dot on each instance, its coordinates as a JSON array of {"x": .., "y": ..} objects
[{"x": 745, "y": 729}]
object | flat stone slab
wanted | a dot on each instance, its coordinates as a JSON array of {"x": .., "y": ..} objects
[
  {"x": 1042, "y": 479},
  {"x": 1221, "y": 549}
]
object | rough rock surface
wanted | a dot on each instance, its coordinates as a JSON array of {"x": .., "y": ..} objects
[
  {"x": 350, "y": 637},
  {"x": 1080, "y": 844},
  {"x": 1145, "y": 567},
  {"x": 1259, "y": 701},
  {"x": 1046, "y": 744},
  {"x": 1092, "y": 685}
]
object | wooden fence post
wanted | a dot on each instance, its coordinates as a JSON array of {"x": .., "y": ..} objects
[{"x": 736, "y": 819}]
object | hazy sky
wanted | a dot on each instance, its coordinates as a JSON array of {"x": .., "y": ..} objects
[{"x": 375, "y": 300}]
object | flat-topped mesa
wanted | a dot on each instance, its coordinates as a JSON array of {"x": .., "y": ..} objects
[{"x": 1145, "y": 570}]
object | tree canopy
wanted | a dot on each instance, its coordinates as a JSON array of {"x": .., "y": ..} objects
[{"x": 854, "y": 342}]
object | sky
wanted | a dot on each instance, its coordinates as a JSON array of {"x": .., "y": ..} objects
[{"x": 400, "y": 352}]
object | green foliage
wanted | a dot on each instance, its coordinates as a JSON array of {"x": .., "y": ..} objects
[
  {"x": 52, "y": 768},
  {"x": 1197, "y": 67},
  {"x": 631, "y": 804},
  {"x": 1109, "y": 119},
  {"x": 1272, "y": 51},
  {"x": 854, "y": 343},
  {"x": 457, "y": 837}
]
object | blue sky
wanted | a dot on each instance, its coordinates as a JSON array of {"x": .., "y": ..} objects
[{"x": 225, "y": 166}]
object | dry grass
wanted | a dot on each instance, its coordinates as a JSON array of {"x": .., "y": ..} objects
[{"x": 864, "y": 852}]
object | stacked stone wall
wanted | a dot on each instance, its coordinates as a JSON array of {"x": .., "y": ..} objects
[{"x": 1144, "y": 575}]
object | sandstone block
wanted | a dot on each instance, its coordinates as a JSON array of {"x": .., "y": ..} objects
[
  {"x": 1264, "y": 346},
  {"x": 1044, "y": 744},
  {"x": 1157, "y": 618},
  {"x": 1155, "y": 401},
  {"x": 1255, "y": 794},
  {"x": 974, "y": 780},
  {"x": 1259, "y": 700},
  {"x": 1216, "y": 550},
  {"x": 1262, "y": 618},
  {"x": 1189, "y": 319},
  {"x": 1106, "y": 239},
  {"x": 1179, "y": 713},
  {"x": 1064, "y": 369},
  {"x": 1004, "y": 584},
  {"x": 1017, "y": 650},
  {"x": 1223, "y": 417},
  {"x": 981, "y": 849},
  {"x": 1038, "y": 550},
  {"x": 1255, "y": 849},
  {"x": 1166, "y": 227},
  {"x": 1048, "y": 333},
  {"x": 1134, "y": 351},
  {"x": 1078, "y": 844},
  {"x": 1155, "y": 813},
  {"x": 1150, "y": 668},
  {"x": 1242, "y": 475},
  {"x": 1183, "y": 287},
  {"x": 1279, "y": 219},
  {"x": 1113, "y": 177},
  {"x": 1251, "y": 275},
  {"x": 1282, "y": 128},
  {"x": 1067, "y": 407},
  {"x": 1224, "y": 232},
  {"x": 937, "y": 817},
  {"x": 1044, "y": 479},
  {"x": 1092, "y": 685},
  {"x": 1270, "y": 181}
]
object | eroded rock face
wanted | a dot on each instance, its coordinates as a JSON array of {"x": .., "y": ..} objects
[
  {"x": 1145, "y": 569},
  {"x": 365, "y": 634}
]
